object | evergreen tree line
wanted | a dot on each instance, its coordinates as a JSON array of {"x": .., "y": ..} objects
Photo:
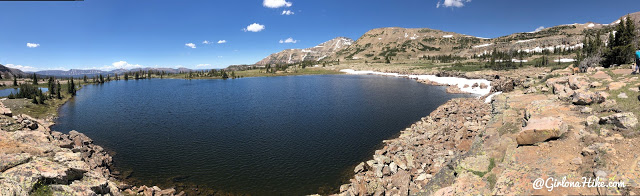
[
  {"x": 619, "y": 48},
  {"x": 441, "y": 58}
]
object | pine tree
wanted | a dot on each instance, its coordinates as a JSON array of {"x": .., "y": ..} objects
[
  {"x": 51, "y": 86},
  {"x": 15, "y": 81},
  {"x": 224, "y": 75},
  {"x": 58, "y": 91},
  {"x": 126, "y": 76},
  {"x": 41, "y": 97},
  {"x": 84, "y": 78},
  {"x": 72, "y": 88},
  {"x": 621, "y": 44},
  {"x": 35, "y": 79}
]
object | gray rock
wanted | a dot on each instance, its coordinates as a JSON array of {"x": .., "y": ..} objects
[
  {"x": 378, "y": 170},
  {"x": 393, "y": 167},
  {"x": 622, "y": 120},
  {"x": 600, "y": 173},
  {"x": 623, "y": 96},
  {"x": 478, "y": 163},
  {"x": 359, "y": 168},
  {"x": 576, "y": 161},
  {"x": 591, "y": 120},
  {"x": 11, "y": 160},
  {"x": 584, "y": 97},
  {"x": 540, "y": 130}
]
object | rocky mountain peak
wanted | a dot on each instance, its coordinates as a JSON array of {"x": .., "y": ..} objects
[{"x": 315, "y": 53}]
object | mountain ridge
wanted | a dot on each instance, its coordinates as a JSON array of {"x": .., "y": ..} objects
[
  {"x": 94, "y": 72},
  {"x": 315, "y": 53},
  {"x": 414, "y": 44}
]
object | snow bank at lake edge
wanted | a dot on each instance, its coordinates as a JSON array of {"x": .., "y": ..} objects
[{"x": 452, "y": 81}]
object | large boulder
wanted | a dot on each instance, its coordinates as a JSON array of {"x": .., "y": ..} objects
[
  {"x": 11, "y": 160},
  {"x": 28, "y": 174},
  {"x": 577, "y": 82},
  {"x": 540, "y": 130},
  {"x": 503, "y": 85},
  {"x": 585, "y": 97},
  {"x": 622, "y": 120}
]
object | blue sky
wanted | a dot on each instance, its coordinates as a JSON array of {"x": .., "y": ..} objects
[{"x": 108, "y": 34}]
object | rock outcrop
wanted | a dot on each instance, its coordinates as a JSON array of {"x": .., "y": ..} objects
[
  {"x": 540, "y": 130},
  {"x": 33, "y": 156},
  {"x": 405, "y": 164}
]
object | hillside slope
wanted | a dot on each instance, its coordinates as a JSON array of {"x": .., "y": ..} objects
[
  {"x": 402, "y": 44},
  {"x": 315, "y": 53},
  {"x": 6, "y": 72}
]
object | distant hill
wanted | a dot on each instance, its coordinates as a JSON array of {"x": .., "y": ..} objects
[
  {"x": 315, "y": 53},
  {"x": 412, "y": 45},
  {"x": 93, "y": 72},
  {"x": 6, "y": 72}
]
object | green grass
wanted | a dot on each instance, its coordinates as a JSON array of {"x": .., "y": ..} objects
[
  {"x": 305, "y": 71},
  {"x": 492, "y": 179},
  {"x": 466, "y": 68},
  {"x": 630, "y": 104},
  {"x": 41, "y": 190},
  {"x": 43, "y": 111},
  {"x": 492, "y": 164}
]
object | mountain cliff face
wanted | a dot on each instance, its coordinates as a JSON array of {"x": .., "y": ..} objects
[{"x": 315, "y": 53}]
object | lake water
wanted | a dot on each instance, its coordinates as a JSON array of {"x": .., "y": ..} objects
[
  {"x": 261, "y": 136},
  {"x": 8, "y": 91}
]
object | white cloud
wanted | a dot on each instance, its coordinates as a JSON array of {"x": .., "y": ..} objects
[
  {"x": 255, "y": 27},
  {"x": 276, "y": 3},
  {"x": 287, "y": 12},
  {"x": 203, "y": 65},
  {"x": 452, "y": 3},
  {"x": 22, "y": 67},
  {"x": 32, "y": 45},
  {"x": 206, "y": 42},
  {"x": 538, "y": 29},
  {"x": 122, "y": 65},
  {"x": 222, "y": 41},
  {"x": 288, "y": 41},
  {"x": 190, "y": 45}
]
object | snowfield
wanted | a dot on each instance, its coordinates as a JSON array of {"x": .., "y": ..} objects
[
  {"x": 483, "y": 45},
  {"x": 453, "y": 81},
  {"x": 564, "y": 60},
  {"x": 523, "y": 41}
]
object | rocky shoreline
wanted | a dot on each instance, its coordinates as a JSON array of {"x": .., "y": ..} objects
[
  {"x": 552, "y": 125},
  {"x": 35, "y": 159},
  {"x": 405, "y": 165}
]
